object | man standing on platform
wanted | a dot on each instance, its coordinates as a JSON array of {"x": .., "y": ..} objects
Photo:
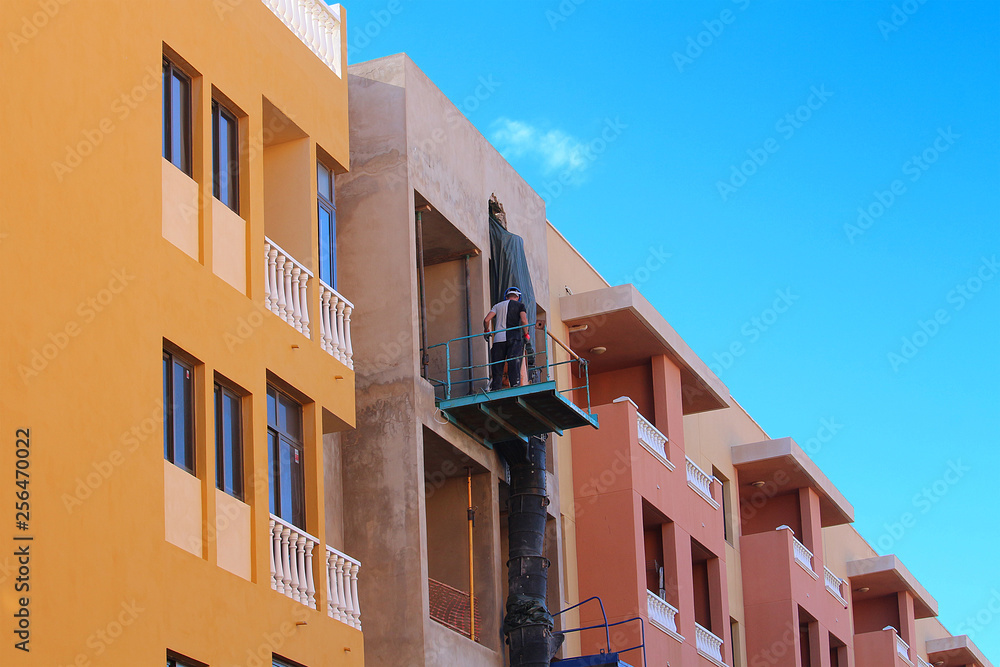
[{"x": 508, "y": 344}]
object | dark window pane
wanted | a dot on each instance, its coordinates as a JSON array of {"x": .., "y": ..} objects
[
  {"x": 272, "y": 477},
  {"x": 183, "y": 422},
  {"x": 285, "y": 458},
  {"x": 232, "y": 445},
  {"x": 167, "y": 409},
  {"x": 220, "y": 447},
  {"x": 290, "y": 417},
  {"x": 166, "y": 110},
  {"x": 272, "y": 408},
  {"x": 298, "y": 488},
  {"x": 177, "y": 148}
]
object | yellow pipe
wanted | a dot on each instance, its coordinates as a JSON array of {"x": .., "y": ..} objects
[{"x": 472, "y": 571}]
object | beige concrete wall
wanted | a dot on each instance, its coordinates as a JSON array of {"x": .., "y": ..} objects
[{"x": 406, "y": 138}]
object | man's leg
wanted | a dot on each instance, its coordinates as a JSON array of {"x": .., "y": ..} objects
[
  {"x": 515, "y": 349},
  {"x": 497, "y": 355}
]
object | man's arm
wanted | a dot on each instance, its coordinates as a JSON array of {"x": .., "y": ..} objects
[
  {"x": 524, "y": 323},
  {"x": 486, "y": 320}
]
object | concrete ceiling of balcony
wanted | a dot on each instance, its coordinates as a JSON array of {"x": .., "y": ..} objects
[
  {"x": 443, "y": 242},
  {"x": 955, "y": 652},
  {"x": 621, "y": 320},
  {"x": 278, "y": 128},
  {"x": 886, "y": 575},
  {"x": 782, "y": 462}
]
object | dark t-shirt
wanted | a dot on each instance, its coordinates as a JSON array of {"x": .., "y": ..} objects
[{"x": 514, "y": 310}]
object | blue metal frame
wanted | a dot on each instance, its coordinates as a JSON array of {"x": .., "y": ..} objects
[
  {"x": 548, "y": 367},
  {"x": 607, "y": 628}
]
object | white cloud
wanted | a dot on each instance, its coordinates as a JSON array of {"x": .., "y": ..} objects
[{"x": 557, "y": 151}]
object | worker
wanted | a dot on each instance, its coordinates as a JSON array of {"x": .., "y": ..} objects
[{"x": 508, "y": 344}]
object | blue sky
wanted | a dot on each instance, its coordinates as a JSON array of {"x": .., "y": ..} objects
[{"x": 835, "y": 161}]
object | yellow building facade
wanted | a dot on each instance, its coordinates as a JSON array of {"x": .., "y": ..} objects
[{"x": 165, "y": 229}]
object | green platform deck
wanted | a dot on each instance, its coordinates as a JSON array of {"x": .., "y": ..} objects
[{"x": 515, "y": 413}]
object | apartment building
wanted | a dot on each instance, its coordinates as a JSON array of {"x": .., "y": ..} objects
[
  {"x": 286, "y": 293},
  {"x": 168, "y": 227}
]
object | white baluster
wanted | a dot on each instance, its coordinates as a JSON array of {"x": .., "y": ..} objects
[
  {"x": 342, "y": 590},
  {"x": 304, "y": 302},
  {"x": 341, "y": 345},
  {"x": 355, "y": 607},
  {"x": 331, "y": 569},
  {"x": 267, "y": 273},
  {"x": 293, "y": 287},
  {"x": 300, "y": 563},
  {"x": 310, "y": 581},
  {"x": 349, "y": 351},
  {"x": 287, "y": 571},
  {"x": 275, "y": 562},
  {"x": 334, "y": 337},
  {"x": 324, "y": 319},
  {"x": 281, "y": 266}
]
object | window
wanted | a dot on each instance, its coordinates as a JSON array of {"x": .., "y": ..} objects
[
  {"x": 285, "y": 456},
  {"x": 225, "y": 156},
  {"x": 228, "y": 441},
  {"x": 173, "y": 661},
  {"x": 176, "y": 117},
  {"x": 327, "y": 225},
  {"x": 178, "y": 412}
]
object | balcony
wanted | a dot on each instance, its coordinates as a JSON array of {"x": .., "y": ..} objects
[
  {"x": 662, "y": 614},
  {"x": 450, "y": 607},
  {"x": 701, "y": 482},
  {"x": 902, "y": 648},
  {"x": 803, "y": 556},
  {"x": 835, "y": 586},
  {"x": 292, "y": 574},
  {"x": 649, "y": 437},
  {"x": 287, "y": 294},
  {"x": 316, "y": 24},
  {"x": 708, "y": 644}
]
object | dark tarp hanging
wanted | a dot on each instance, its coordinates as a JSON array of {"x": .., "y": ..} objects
[{"x": 509, "y": 268}]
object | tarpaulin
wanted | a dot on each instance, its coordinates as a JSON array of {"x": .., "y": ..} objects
[{"x": 509, "y": 268}]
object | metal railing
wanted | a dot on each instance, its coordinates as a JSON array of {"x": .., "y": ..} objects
[
  {"x": 544, "y": 370},
  {"x": 607, "y": 628}
]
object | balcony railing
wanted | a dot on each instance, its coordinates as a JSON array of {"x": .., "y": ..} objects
[
  {"x": 286, "y": 294},
  {"x": 661, "y": 613},
  {"x": 701, "y": 482},
  {"x": 315, "y": 23},
  {"x": 835, "y": 585},
  {"x": 291, "y": 562},
  {"x": 342, "y": 588},
  {"x": 450, "y": 607},
  {"x": 653, "y": 440},
  {"x": 803, "y": 556},
  {"x": 335, "y": 324},
  {"x": 902, "y": 648},
  {"x": 922, "y": 663},
  {"x": 708, "y": 644},
  {"x": 292, "y": 551}
]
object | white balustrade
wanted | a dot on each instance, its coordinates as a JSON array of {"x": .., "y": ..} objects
[
  {"x": 286, "y": 284},
  {"x": 342, "y": 588},
  {"x": 902, "y": 648},
  {"x": 922, "y": 662},
  {"x": 291, "y": 562},
  {"x": 335, "y": 324},
  {"x": 701, "y": 482},
  {"x": 316, "y": 24},
  {"x": 653, "y": 440},
  {"x": 803, "y": 556},
  {"x": 835, "y": 585},
  {"x": 661, "y": 612},
  {"x": 708, "y": 644}
]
